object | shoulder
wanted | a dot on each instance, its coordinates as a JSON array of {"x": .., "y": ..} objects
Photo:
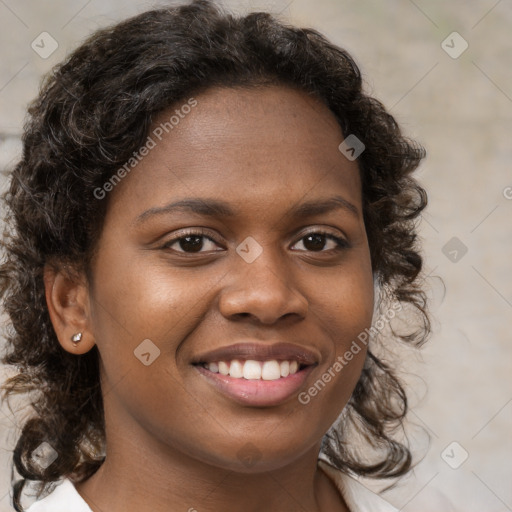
[
  {"x": 64, "y": 498},
  {"x": 357, "y": 497}
]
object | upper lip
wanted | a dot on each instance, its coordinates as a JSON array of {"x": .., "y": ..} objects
[{"x": 259, "y": 352}]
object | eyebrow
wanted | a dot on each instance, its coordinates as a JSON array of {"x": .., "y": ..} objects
[{"x": 215, "y": 208}]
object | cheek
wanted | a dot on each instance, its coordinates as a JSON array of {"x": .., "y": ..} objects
[
  {"x": 141, "y": 309},
  {"x": 347, "y": 306},
  {"x": 145, "y": 301},
  {"x": 345, "y": 313}
]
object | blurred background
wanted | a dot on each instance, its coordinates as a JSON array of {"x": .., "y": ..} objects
[{"x": 444, "y": 70}]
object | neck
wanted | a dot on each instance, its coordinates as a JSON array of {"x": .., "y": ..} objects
[{"x": 142, "y": 474}]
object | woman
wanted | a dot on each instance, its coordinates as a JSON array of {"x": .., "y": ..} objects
[{"x": 211, "y": 227}]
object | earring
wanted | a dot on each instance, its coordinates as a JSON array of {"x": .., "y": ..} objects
[{"x": 76, "y": 338}]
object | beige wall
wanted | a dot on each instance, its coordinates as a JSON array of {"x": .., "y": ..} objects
[{"x": 461, "y": 110}]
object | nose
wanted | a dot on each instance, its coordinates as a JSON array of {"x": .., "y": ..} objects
[{"x": 263, "y": 290}]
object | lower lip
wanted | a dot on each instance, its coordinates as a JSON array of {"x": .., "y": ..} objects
[{"x": 263, "y": 393}]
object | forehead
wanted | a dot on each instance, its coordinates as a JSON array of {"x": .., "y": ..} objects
[
  {"x": 249, "y": 145},
  {"x": 276, "y": 115}
]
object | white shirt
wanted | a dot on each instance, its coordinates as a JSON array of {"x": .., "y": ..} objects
[{"x": 65, "y": 497}]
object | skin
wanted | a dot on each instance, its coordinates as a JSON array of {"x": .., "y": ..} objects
[{"x": 173, "y": 440}]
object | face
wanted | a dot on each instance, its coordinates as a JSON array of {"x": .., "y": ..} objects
[{"x": 266, "y": 261}]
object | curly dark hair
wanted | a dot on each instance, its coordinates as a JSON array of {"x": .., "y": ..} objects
[{"x": 93, "y": 111}]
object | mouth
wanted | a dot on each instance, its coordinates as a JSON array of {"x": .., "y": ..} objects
[
  {"x": 257, "y": 375},
  {"x": 251, "y": 369}
]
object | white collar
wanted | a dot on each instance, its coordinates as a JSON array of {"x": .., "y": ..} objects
[
  {"x": 64, "y": 498},
  {"x": 357, "y": 497}
]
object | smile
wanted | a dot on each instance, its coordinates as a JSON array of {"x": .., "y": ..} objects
[
  {"x": 254, "y": 370},
  {"x": 256, "y": 391},
  {"x": 257, "y": 374}
]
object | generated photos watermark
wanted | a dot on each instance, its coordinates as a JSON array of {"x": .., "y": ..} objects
[
  {"x": 156, "y": 136},
  {"x": 341, "y": 361}
]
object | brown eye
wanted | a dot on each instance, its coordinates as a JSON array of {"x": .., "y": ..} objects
[
  {"x": 314, "y": 242},
  {"x": 192, "y": 242},
  {"x": 318, "y": 240}
]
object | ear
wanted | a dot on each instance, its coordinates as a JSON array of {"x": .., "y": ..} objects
[{"x": 67, "y": 298}]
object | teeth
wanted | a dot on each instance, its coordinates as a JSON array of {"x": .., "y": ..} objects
[
  {"x": 213, "y": 367},
  {"x": 254, "y": 370},
  {"x": 285, "y": 368},
  {"x": 236, "y": 370},
  {"x": 271, "y": 370},
  {"x": 223, "y": 368}
]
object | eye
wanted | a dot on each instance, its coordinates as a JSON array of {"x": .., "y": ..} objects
[
  {"x": 315, "y": 241},
  {"x": 197, "y": 241},
  {"x": 192, "y": 241}
]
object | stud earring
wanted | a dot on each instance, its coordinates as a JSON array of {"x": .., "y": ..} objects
[{"x": 76, "y": 338}]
